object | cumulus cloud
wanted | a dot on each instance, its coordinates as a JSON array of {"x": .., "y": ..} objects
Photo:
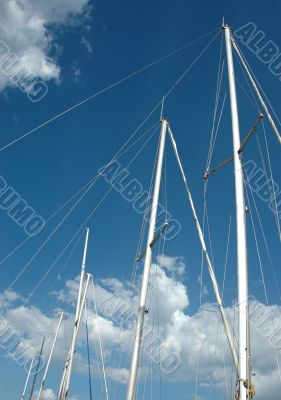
[
  {"x": 26, "y": 28},
  {"x": 47, "y": 394},
  {"x": 197, "y": 338},
  {"x": 8, "y": 297}
]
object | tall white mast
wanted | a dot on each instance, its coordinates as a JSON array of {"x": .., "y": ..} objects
[
  {"x": 50, "y": 358},
  {"x": 68, "y": 364},
  {"x": 146, "y": 271},
  {"x": 242, "y": 270},
  {"x": 27, "y": 379}
]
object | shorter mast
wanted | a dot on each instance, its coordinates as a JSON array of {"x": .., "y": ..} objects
[
  {"x": 27, "y": 379},
  {"x": 50, "y": 358},
  {"x": 264, "y": 106},
  {"x": 74, "y": 340},
  {"x": 37, "y": 369},
  {"x": 146, "y": 270},
  {"x": 81, "y": 282},
  {"x": 208, "y": 260}
]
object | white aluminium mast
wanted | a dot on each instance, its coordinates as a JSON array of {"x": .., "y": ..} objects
[
  {"x": 65, "y": 391},
  {"x": 146, "y": 271},
  {"x": 27, "y": 378},
  {"x": 49, "y": 359},
  {"x": 242, "y": 268},
  {"x": 64, "y": 385}
]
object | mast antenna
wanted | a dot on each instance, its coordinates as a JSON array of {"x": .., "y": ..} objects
[{"x": 162, "y": 107}]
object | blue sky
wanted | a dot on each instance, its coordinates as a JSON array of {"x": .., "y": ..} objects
[{"x": 77, "y": 57}]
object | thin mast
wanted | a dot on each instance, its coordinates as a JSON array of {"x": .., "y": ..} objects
[
  {"x": 27, "y": 379},
  {"x": 37, "y": 369},
  {"x": 50, "y": 358},
  {"x": 242, "y": 268},
  {"x": 264, "y": 106},
  {"x": 82, "y": 272},
  {"x": 82, "y": 278},
  {"x": 74, "y": 340},
  {"x": 146, "y": 271},
  {"x": 208, "y": 260}
]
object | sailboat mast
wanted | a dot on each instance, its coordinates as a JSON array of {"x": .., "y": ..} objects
[
  {"x": 65, "y": 374},
  {"x": 146, "y": 271},
  {"x": 50, "y": 358},
  {"x": 27, "y": 379},
  {"x": 74, "y": 339},
  {"x": 37, "y": 369},
  {"x": 242, "y": 269}
]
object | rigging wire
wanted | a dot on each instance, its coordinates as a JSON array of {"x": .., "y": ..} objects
[
  {"x": 226, "y": 256},
  {"x": 258, "y": 84},
  {"x": 266, "y": 243},
  {"x": 107, "y": 88},
  {"x": 88, "y": 353},
  {"x": 144, "y": 222},
  {"x": 213, "y": 135},
  {"x": 217, "y": 96},
  {"x": 55, "y": 262},
  {"x": 226, "y": 380},
  {"x": 172, "y": 88},
  {"x": 93, "y": 180},
  {"x": 82, "y": 226},
  {"x": 152, "y": 291},
  {"x": 256, "y": 243},
  {"x": 261, "y": 268},
  {"x": 272, "y": 187},
  {"x": 26, "y": 266},
  {"x": 188, "y": 69},
  {"x": 100, "y": 341},
  {"x": 214, "y": 360},
  {"x": 252, "y": 100},
  {"x": 157, "y": 313}
]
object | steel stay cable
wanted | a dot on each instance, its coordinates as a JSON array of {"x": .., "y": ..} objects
[
  {"x": 93, "y": 180},
  {"x": 88, "y": 352},
  {"x": 55, "y": 262},
  {"x": 105, "y": 90},
  {"x": 266, "y": 243},
  {"x": 272, "y": 188},
  {"x": 100, "y": 341},
  {"x": 160, "y": 102},
  {"x": 69, "y": 212},
  {"x": 262, "y": 272}
]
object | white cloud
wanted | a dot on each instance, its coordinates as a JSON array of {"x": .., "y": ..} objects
[
  {"x": 47, "y": 394},
  {"x": 172, "y": 264},
  {"x": 196, "y": 337},
  {"x": 26, "y": 28},
  {"x": 8, "y": 297}
]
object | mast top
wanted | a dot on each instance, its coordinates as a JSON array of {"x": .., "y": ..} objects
[{"x": 224, "y": 25}]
